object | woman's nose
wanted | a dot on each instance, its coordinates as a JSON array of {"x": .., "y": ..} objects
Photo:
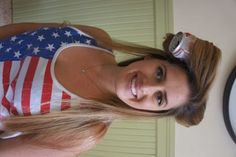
[{"x": 151, "y": 87}]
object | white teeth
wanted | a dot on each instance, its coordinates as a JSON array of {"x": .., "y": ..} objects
[{"x": 133, "y": 89}]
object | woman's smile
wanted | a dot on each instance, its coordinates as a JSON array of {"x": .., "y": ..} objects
[{"x": 133, "y": 85}]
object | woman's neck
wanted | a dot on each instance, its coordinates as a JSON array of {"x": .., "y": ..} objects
[{"x": 104, "y": 79}]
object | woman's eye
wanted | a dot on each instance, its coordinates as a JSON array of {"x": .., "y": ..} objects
[
  {"x": 159, "y": 73},
  {"x": 159, "y": 98}
]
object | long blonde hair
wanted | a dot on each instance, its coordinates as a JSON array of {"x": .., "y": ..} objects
[{"x": 75, "y": 126}]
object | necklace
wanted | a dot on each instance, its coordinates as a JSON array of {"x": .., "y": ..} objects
[{"x": 87, "y": 71}]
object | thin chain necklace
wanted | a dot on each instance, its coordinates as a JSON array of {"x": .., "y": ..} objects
[{"x": 85, "y": 72}]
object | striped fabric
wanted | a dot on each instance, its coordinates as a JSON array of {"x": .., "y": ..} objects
[{"x": 27, "y": 76}]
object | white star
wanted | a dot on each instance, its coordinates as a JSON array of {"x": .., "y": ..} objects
[
  {"x": 68, "y": 33},
  {"x": 63, "y": 44},
  {"x": 50, "y": 47},
  {"x": 17, "y": 54},
  {"x": 29, "y": 46},
  {"x": 13, "y": 38},
  {"x": 19, "y": 42},
  {"x": 41, "y": 37},
  {"x": 79, "y": 32},
  {"x": 1, "y": 45},
  {"x": 77, "y": 42},
  {"x": 36, "y": 50},
  {"x": 8, "y": 50},
  {"x": 55, "y": 35},
  {"x": 33, "y": 33},
  {"x": 88, "y": 42}
]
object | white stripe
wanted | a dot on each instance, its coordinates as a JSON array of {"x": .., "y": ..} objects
[
  {"x": 3, "y": 111},
  {"x": 19, "y": 85},
  {"x": 37, "y": 86},
  {"x": 15, "y": 66},
  {"x": 55, "y": 98},
  {"x": 9, "y": 94},
  {"x": 14, "y": 69},
  {"x": 1, "y": 83}
]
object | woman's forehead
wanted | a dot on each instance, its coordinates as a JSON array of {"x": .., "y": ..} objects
[{"x": 177, "y": 85}]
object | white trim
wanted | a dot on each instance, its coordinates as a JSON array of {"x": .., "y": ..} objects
[
  {"x": 80, "y": 32},
  {"x": 8, "y": 135}
]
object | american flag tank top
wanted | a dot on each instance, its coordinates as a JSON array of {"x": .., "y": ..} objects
[{"x": 27, "y": 81}]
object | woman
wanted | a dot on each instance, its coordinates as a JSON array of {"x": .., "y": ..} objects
[{"x": 61, "y": 86}]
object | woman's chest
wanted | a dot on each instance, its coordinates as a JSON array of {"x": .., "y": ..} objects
[{"x": 78, "y": 70}]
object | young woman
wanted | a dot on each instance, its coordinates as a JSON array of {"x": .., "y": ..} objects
[{"x": 61, "y": 87}]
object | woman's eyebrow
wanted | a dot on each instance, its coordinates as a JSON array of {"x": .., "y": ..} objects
[
  {"x": 164, "y": 92},
  {"x": 165, "y": 71},
  {"x": 165, "y": 98}
]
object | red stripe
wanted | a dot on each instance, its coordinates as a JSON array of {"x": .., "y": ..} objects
[
  {"x": 6, "y": 72},
  {"x": 6, "y": 104},
  {"x": 65, "y": 96},
  {"x": 47, "y": 90},
  {"x": 14, "y": 110},
  {"x": 25, "y": 97},
  {"x": 5, "y": 80}
]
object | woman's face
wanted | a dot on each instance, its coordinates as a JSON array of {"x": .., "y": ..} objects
[{"x": 152, "y": 84}]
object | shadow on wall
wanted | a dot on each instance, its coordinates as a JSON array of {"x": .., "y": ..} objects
[
  {"x": 232, "y": 61},
  {"x": 5, "y": 12}
]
